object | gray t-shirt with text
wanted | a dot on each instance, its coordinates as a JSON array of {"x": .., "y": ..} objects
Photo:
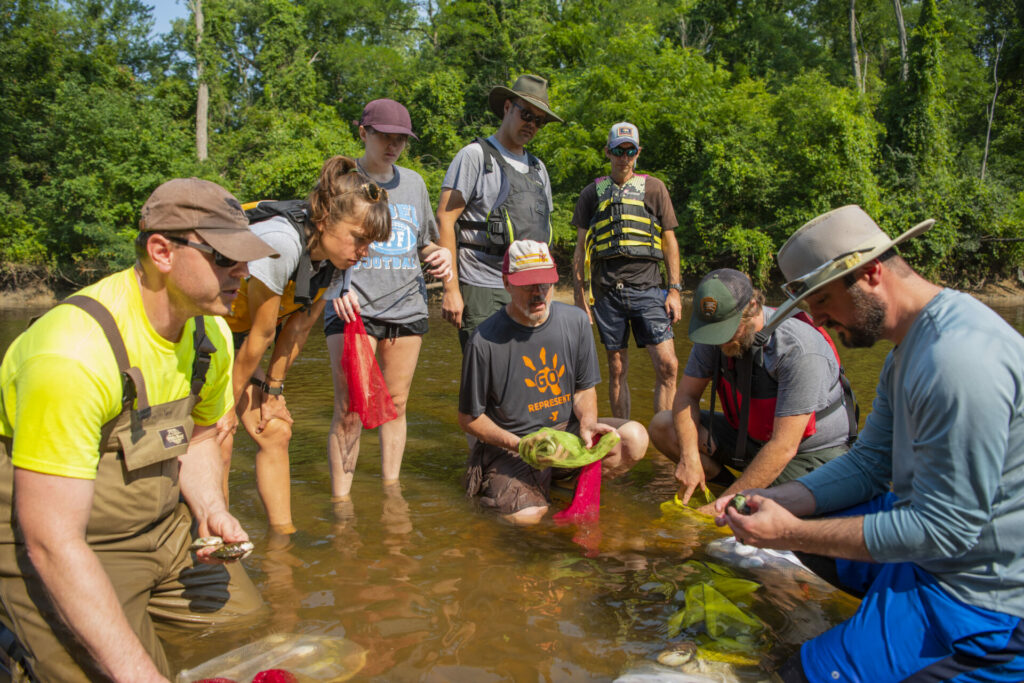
[
  {"x": 524, "y": 378},
  {"x": 388, "y": 282}
]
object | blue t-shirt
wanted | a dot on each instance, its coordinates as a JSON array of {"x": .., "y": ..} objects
[{"x": 947, "y": 430}]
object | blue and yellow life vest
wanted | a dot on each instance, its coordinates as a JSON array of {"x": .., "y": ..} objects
[{"x": 622, "y": 227}]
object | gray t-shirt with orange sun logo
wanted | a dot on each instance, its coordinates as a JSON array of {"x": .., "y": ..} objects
[{"x": 524, "y": 378}]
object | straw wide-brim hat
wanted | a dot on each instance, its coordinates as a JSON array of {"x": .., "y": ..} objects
[
  {"x": 832, "y": 245},
  {"x": 533, "y": 89}
]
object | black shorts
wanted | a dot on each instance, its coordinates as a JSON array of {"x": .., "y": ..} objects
[{"x": 379, "y": 329}]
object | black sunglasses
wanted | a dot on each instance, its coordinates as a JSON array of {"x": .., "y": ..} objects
[
  {"x": 624, "y": 151},
  {"x": 219, "y": 259},
  {"x": 529, "y": 117}
]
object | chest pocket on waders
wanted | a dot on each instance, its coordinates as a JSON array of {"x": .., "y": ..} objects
[{"x": 137, "y": 476}]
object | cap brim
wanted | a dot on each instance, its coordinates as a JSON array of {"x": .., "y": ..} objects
[
  {"x": 534, "y": 276},
  {"x": 400, "y": 130},
  {"x": 238, "y": 245},
  {"x": 714, "y": 333}
]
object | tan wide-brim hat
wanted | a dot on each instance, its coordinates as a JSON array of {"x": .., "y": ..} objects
[
  {"x": 832, "y": 245},
  {"x": 533, "y": 89},
  {"x": 208, "y": 209}
]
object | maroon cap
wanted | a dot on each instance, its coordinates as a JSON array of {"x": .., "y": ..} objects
[
  {"x": 529, "y": 263},
  {"x": 208, "y": 209},
  {"x": 387, "y": 116}
]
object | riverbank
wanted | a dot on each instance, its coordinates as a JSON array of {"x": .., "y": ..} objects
[{"x": 37, "y": 296}]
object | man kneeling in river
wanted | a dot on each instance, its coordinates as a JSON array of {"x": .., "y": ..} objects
[
  {"x": 532, "y": 364},
  {"x": 923, "y": 514}
]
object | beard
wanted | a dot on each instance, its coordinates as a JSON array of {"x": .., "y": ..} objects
[
  {"x": 868, "y": 320},
  {"x": 738, "y": 347}
]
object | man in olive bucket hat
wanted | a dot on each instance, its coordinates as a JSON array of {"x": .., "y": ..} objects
[
  {"x": 109, "y": 462},
  {"x": 924, "y": 516},
  {"x": 495, "y": 192}
]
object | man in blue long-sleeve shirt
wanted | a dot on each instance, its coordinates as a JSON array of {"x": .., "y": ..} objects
[{"x": 939, "y": 556}]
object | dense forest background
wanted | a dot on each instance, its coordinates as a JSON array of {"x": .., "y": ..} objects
[{"x": 758, "y": 114}]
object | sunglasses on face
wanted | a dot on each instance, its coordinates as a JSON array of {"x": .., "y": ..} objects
[
  {"x": 624, "y": 151},
  {"x": 529, "y": 117},
  {"x": 219, "y": 259},
  {"x": 794, "y": 289}
]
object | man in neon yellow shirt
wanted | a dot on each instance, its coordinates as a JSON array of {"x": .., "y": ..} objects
[{"x": 108, "y": 411}]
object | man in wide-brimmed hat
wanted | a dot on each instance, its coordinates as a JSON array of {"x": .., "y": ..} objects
[
  {"x": 925, "y": 514},
  {"x": 495, "y": 192}
]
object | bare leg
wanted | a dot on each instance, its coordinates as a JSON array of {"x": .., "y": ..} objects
[
  {"x": 666, "y": 440},
  {"x": 343, "y": 438},
  {"x": 526, "y": 516},
  {"x": 618, "y": 387},
  {"x": 629, "y": 451},
  {"x": 666, "y": 366},
  {"x": 398, "y": 359},
  {"x": 273, "y": 476}
]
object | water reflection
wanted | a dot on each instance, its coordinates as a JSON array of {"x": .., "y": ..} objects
[{"x": 437, "y": 591}]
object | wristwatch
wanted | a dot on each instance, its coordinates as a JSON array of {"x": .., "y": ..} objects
[
  {"x": 677, "y": 287},
  {"x": 266, "y": 388}
]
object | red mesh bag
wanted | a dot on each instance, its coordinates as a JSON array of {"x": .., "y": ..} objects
[{"x": 367, "y": 394}]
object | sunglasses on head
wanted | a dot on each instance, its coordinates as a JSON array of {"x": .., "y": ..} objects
[
  {"x": 624, "y": 151},
  {"x": 796, "y": 288},
  {"x": 371, "y": 190},
  {"x": 219, "y": 259},
  {"x": 529, "y": 117}
]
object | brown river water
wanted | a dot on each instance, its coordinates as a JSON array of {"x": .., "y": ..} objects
[{"x": 435, "y": 590}]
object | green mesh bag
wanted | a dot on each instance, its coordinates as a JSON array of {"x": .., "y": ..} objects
[{"x": 548, "y": 447}]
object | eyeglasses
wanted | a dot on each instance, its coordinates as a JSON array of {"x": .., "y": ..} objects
[
  {"x": 529, "y": 117},
  {"x": 219, "y": 259},
  {"x": 624, "y": 151},
  {"x": 794, "y": 289}
]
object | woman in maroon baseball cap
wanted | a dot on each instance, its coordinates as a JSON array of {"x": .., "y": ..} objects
[{"x": 388, "y": 289}]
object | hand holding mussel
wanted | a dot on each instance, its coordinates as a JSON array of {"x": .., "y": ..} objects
[
  {"x": 739, "y": 503},
  {"x": 224, "y": 551}
]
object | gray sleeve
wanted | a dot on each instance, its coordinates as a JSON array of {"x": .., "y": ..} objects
[
  {"x": 275, "y": 272},
  {"x": 804, "y": 383},
  {"x": 474, "y": 387},
  {"x": 701, "y": 363},
  {"x": 464, "y": 172},
  {"x": 588, "y": 371},
  {"x": 547, "y": 185}
]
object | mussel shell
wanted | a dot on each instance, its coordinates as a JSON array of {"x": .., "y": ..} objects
[
  {"x": 739, "y": 502},
  {"x": 233, "y": 551},
  {"x": 205, "y": 542},
  {"x": 679, "y": 655}
]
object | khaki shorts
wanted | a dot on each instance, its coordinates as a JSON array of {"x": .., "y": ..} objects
[{"x": 163, "y": 585}]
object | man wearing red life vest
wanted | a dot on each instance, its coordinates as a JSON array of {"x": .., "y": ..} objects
[{"x": 782, "y": 394}]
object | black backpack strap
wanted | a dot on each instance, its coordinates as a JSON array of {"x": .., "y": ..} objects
[
  {"x": 744, "y": 373},
  {"x": 203, "y": 349},
  {"x": 714, "y": 395}
]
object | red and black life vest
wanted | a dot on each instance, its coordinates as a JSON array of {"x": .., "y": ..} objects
[{"x": 747, "y": 376}]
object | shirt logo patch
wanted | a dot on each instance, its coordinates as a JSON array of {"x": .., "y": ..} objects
[
  {"x": 173, "y": 436},
  {"x": 546, "y": 377},
  {"x": 708, "y": 306}
]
